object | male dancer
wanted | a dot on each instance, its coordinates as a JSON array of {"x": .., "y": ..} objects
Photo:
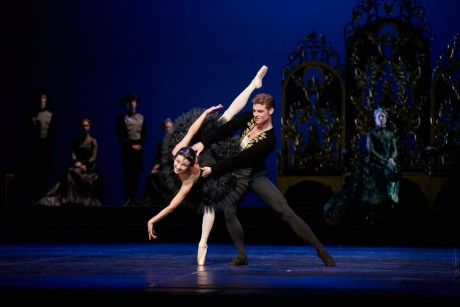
[{"x": 258, "y": 141}]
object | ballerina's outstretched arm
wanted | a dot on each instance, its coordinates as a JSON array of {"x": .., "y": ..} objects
[{"x": 194, "y": 128}]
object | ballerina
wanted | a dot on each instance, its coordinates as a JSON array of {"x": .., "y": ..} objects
[{"x": 201, "y": 195}]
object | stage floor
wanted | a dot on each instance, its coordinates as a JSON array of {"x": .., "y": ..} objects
[{"x": 147, "y": 272}]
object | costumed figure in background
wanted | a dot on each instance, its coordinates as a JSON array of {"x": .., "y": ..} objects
[
  {"x": 153, "y": 192},
  {"x": 39, "y": 129},
  {"x": 132, "y": 132},
  {"x": 80, "y": 186},
  {"x": 372, "y": 186}
]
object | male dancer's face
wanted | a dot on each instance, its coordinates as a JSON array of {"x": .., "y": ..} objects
[{"x": 261, "y": 114}]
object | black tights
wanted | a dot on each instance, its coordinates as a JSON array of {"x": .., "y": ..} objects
[{"x": 264, "y": 189}]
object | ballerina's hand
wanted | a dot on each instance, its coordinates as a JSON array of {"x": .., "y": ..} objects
[
  {"x": 198, "y": 147},
  {"x": 214, "y": 108},
  {"x": 151, "y": 231}
]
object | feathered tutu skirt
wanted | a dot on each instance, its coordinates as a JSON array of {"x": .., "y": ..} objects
[{"x": 211, "y": 192}]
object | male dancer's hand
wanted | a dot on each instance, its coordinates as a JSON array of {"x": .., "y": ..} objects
[{"x": 206, "y": 171}]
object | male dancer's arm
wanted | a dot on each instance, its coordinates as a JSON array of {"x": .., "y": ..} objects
[
  {"x": 225, "y": 131},
  {"x": 230, "y": 128},
  {"x": 249, "y": 157},
  {"x": 246, "y": 158}
]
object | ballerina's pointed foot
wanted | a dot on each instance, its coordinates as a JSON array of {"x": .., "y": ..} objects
[
  {"x": 327, "y": 259},
  {"x": 201, "y": 258},
  {"x": 257, "y": 81}
]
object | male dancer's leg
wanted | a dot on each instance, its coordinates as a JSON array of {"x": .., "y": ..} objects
[
  {"x": 263, "y": 188},
  {"x": 236, "y": 232}
]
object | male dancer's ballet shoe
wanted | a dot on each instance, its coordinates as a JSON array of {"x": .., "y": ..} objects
[
  {"x": 257, "y": 81},
  {"x": 327, "y": 259},
  {"x": 201, "y": 258},
  {"x": 240, "y": 260}
]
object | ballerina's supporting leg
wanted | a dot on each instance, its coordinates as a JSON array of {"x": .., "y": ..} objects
[{"x": 208, "y": 222}]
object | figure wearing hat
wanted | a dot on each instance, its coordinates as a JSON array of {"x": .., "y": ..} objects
[{"x": 132, "y": 133}]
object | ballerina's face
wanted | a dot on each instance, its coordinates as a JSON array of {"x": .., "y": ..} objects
[{"x": 181, "y": 164}]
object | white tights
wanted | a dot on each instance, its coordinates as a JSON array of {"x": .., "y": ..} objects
[
  {"x": 238, "y": 104},
  {"x": 208, "y": 222}
]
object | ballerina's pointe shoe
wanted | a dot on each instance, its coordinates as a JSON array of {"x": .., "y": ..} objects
[
  {"x": 257, "y": 81},
  {"x": 201, "y": 258},
  {"x": 327, "y": 259}
]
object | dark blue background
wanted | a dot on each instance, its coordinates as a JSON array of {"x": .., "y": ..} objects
[{"x": 175, "y": 54}]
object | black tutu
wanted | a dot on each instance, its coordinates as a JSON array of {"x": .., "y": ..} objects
[{"x": 216, "y": 192}]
